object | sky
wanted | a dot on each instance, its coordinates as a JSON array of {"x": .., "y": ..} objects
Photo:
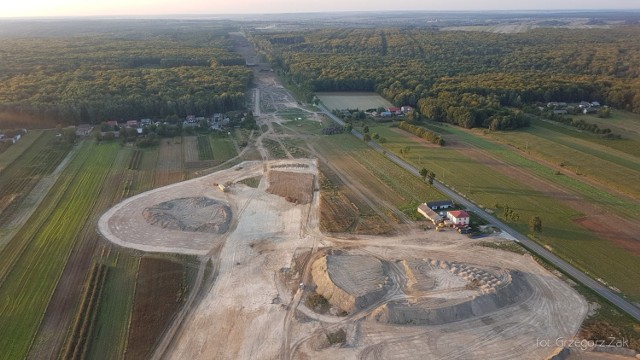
[{"x": 56, "y": 8}]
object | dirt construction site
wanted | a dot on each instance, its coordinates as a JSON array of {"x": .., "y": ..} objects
[{"x": 275, "y": 286}]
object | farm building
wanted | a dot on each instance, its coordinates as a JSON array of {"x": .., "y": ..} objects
[
  {"x": 458, "y": 217},
  {"x": 393, "y": 109},
  {"x": 83, "y": 130},
  {"x": 440, "y": 205},
  {"x": 132, "y": 124},
  {"x": 431, "y": 215}
]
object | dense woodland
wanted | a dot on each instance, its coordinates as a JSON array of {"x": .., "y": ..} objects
[
  {"x": 465, "y": 78},
  {"x": 146, "y": 72}
]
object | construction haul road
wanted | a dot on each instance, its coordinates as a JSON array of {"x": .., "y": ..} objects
[{"x": 562, "y": 265}]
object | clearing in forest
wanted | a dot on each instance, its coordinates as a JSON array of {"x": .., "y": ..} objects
[{"x": 352, "y": 100}]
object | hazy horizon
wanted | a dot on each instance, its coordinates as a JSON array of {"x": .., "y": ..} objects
[{"x": 76, "y": 8}]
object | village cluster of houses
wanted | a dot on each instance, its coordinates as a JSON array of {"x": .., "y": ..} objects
[
  {"x": 393, "y": 111},
  {"x": 562, "y": 108},
  {"x": 433, "y": 210},
  {"x": 13, "y": 137},
  {"x": 216, "y": 122}
]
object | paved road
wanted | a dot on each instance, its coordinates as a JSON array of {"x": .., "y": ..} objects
[{"x": 542, "y": 252}]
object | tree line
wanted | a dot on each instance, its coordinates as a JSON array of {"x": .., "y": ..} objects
[
  {"x": 422, "y": 133},
  {"x": 408, "y": 66},
  {"x": 74, "y": 79}
]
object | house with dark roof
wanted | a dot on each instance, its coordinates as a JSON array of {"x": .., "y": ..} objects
[{"x": 440, "y": 205}]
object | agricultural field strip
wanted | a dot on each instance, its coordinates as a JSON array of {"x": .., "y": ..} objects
[
  {"x": 16, "y": 150},
  {"x": 585, "y": 143},
  {"x": 29, "y": 284},
  {"x": 223, "y": 148},
  {"x": 625, "y": 147},
  {"x": 407, "y": 190},
  {"x": 602, "y": 164},
  {"x": 597, "y": 195},
  {"x": 22, "y": 175},
  {"x": 32, "y": 201},
  {"x": 627, "y": 123},
  {"x": 567, "y": 239},
  {"x": 85, "y": 258},
  {"x": 204, "y": 148},
  {"x": 115, "y": 311},
  {"x": 585, "y": 190}
]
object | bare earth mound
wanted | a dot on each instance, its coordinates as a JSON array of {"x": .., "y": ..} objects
[
  {"x": 198, "y": 214},
  {"x": 350, "y": 282},
  {"x": 294, "y": 187},
  {"x": 427, "y": 292}
]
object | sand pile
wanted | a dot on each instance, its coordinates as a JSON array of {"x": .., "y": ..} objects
[
  {"x": 437, "y": 311},
  {"x": 350, "y": 282},
  {"x": 198, "y": 214},
  {"x": 436, "y": 291}
]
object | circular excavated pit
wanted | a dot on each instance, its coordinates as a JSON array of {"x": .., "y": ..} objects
[
  {"x": 196, "y": 214},
  {"x": 436, "y": 292}
]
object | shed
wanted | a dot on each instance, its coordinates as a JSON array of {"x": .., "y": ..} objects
[{"x": 431, "y": 215}]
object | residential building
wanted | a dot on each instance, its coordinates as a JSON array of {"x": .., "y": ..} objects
[
  {"x": 458, "y": 217},
  {"x": 440, "y": 205}
]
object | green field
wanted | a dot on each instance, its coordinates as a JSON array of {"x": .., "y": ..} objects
[
  {"x": 223, "y": 148},
  {"x": 15, "y": 151},
  {"x": 550, "y": 143},
  {"x": 480, "y": 183},
  {"x": 204, "y": 148},
  {"x": 621, "y": 122},
  {"x": 25, "y": 169},
  {"x": 352, "y": 100},
  {"x": 381, "y": 175},
  {"x": 580, "y": 153},
  {"x": 28, "y": 284},
  {"x": 114, "y": 310}
]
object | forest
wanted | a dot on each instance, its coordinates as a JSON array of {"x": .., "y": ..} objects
[
  {"x": 70, "y": 78},
  {"x": 472, "y": 79}
]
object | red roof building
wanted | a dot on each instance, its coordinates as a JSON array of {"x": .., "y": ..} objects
[{"x": 458, "y": 217}]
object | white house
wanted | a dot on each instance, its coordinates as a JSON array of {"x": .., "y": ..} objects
[{"x": 458, "y": 217}]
